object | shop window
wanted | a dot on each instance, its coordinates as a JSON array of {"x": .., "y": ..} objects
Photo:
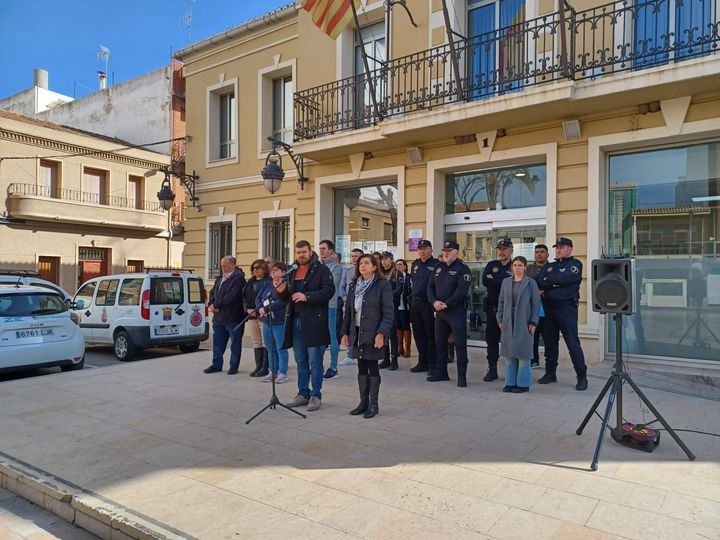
[
  {"x": 366, "y": 218},
  {"x": 520, "y": 186},
  {"x": 663, "y": 210}
]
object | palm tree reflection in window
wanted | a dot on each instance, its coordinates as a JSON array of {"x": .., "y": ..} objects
[{"x": 490, "y": 190}]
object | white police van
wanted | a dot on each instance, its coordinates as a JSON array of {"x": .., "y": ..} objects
[
  {"x": 37, "y": 330},
  {"x": 158, "y": 308}
]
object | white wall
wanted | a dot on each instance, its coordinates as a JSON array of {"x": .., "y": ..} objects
[
  {"x": 33, "y": 100},
  {"x": 137, "y": 111}
]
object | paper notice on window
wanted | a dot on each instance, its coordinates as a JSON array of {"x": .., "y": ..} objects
[{"x": 414, "y": 239}]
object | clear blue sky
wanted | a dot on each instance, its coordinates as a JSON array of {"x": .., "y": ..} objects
[{"x": 64, "y": 36}]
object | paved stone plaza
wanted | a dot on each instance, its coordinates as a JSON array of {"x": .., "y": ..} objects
[{"x": 163, "y": 442}]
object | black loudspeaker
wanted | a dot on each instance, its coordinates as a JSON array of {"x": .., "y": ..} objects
[{"x": 613, "y": 285}]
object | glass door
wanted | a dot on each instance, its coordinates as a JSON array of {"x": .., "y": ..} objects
[{"x": 477, "y": 248}]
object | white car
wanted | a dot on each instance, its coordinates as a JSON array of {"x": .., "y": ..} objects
[
  {"x": 38, "y": 330},
  {"x": 160, "y": 308},
  {"x": 29, "y": 277}
]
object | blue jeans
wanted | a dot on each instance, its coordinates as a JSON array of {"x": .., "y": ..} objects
[
  {"x": 517, "y": 372},
  {"x": 278, "y": 357},
  {"x": 222, "y": 332},
  {"x": 309, "y": 363},
  {"x": 334, "y": 343}
]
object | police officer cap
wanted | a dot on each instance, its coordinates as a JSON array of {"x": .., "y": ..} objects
[
  {"x": 505, "y": 243},
  {"x": 425, "y": 244},
  {"x": 449, "y": 244},
  {"x": 386, "y": 254},
  {"x": 562, "y": 241}
]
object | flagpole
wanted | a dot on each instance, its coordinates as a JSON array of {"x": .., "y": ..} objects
[
  {"x": 371, "y": 84},
  {"x": 453, "y": 52}
]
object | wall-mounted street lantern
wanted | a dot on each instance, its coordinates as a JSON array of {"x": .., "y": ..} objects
[
  {"x": 273, "y": 174},
  {"x": 166, "y": 195}
]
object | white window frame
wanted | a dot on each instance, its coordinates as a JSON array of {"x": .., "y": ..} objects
[
  {"x": 437, "y": 170},
  {"x": 218, "y": 219},
  {"x": 213, "y": 94},
  {"x": 325, "y": 192},
  {"x": 266, "y": 76},
  {"x": 265, "y": 215}
]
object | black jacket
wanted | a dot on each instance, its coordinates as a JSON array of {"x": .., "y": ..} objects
[
  {"x": 319, "y": 288},
  {"x": 252, "y": 288},
  {"x": 376, "y": 318},
  {"x": 228, "y": 298}
]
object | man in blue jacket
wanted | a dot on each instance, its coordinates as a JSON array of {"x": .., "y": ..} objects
[{"x": 226, "y": 305}]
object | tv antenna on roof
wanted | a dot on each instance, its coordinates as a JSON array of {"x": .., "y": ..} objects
[
  {"x": 186, "y": 20},
  {"x": 104, "y": 54}
]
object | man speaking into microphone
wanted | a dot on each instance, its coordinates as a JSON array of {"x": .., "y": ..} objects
[{"x": 308, "y": 290}]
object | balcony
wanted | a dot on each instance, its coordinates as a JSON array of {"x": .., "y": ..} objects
[
  {"x": 563, "y": 47},
  {"x": 33, "y": 202}
]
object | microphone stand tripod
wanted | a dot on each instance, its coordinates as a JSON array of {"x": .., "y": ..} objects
[
  {"x": 615, "y": 384},
  {"x": 274, "y": 401}
]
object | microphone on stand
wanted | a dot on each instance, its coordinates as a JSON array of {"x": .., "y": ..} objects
[{"x": 293, "y": 267}]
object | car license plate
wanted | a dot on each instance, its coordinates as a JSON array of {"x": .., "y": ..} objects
[
  {"x": 39, "y": 332},
  {"x": 167, "y": 330}
]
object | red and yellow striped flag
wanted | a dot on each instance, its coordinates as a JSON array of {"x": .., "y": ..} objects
[{"x": 330, "y": 16}]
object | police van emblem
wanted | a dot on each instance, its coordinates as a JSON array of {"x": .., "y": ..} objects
[
  {"x": 496, "y": 269},
  {"x": 574, "y": 269}
]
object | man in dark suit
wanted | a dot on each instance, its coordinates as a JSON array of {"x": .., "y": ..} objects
[{"x": 226, "y": 305}]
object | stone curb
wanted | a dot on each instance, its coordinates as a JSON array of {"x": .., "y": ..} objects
[{"x": 99, "y": 517}]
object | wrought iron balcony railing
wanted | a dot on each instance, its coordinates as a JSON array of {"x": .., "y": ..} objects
[
  {"x": 83, "y": 197},
  {"x": 565, "y": 45}
]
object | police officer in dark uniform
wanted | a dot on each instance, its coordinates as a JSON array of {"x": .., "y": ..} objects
[
  {"x": 493, "y": 275},
  {"x": 559, "y": 283},
  {"x": 422, "y": 318},
  {"x": 447, "y": 293}
]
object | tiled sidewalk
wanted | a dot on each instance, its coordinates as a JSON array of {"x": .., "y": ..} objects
[{"x": 171, "y": 444}]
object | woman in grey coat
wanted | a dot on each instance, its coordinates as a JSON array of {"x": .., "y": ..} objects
[
  {"x": 517, "y": 315},
  {"x": 369, "y": 312}
]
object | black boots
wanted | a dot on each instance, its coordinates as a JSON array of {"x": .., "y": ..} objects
[
  {"x": 258, "y": 362},
  {"x": 263, "y": 363},
  {"x": 582, "y": 382},
  {"x": 492, "y": 374},
  {"x": 462, "y": 375},
  {"x": 438, "y": 371},
  {"x": 393, "y": 363},
  {"x": 419, "y": 367},
  {"x": 386, "y": 362},
  {"x": 548, "y": 378},
  {"x": 369, "y": 388},
  {"x": 374, "y": 391},
  {"x": 363, "y": 388}
]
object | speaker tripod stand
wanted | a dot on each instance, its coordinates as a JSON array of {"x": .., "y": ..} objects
[
  {"x": 614, "y": 386},
  {"x": 695, "y": 325}
]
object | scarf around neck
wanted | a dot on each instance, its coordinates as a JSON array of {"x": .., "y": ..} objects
[{"x": 361, "y": 287}]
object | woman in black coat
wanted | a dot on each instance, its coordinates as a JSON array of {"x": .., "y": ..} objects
[
  {"x": 366, "y": 326},
  {"x": 259, "y": 280}
]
